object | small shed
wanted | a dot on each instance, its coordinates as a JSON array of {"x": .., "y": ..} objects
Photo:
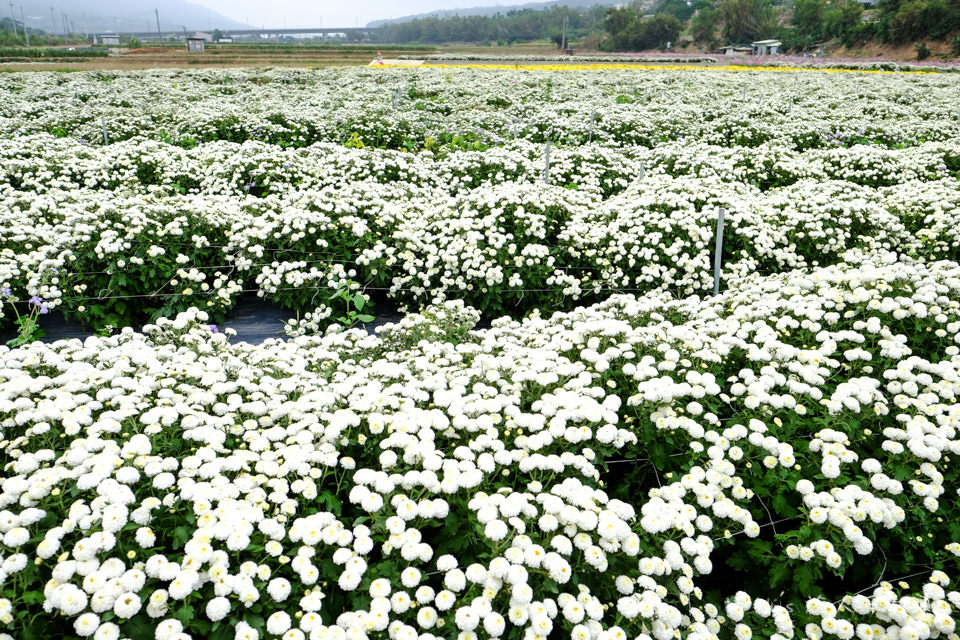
[
  {"x": 109, "y": 40},
  {"x": 766, "y": 47},
  {"x": 195, "y": 45},
  {"x": 736, "y": 49}
]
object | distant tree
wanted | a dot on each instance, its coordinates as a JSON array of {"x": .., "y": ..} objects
[
  {"x": 844, "y": 21},
  {"x": 703, "y": 26},
  {"x": 513, "y": 26},
  {"x": 745, "y": 20},
  {"x": 682, "y": 10},
  {"x": 617, "y": 24},
  {"x": 902, "y": 21},
  {"x": 217, "y": 35},
  {"x": 808, "y": 18},
  {"x": 659, "y": 30},
  {"x": 627, "y": 30}
]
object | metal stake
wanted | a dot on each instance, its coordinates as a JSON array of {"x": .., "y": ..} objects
[
  {"x": 593, "y": 117},
  {"x": 546, "y": 160},
  {"x": 103, "y": 125},
  {"x": 719, "y": 250}
]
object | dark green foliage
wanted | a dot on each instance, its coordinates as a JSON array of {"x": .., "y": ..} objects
[
  {"x": 901, "y": 21},
  {"x": 747, "y": 20},
  {"x": 816, "y": 21},
  {"x": 512, "y": 26},
  {"x": 19, "y": 52},
  {"x": 627, "y": 30},
  {"x": 703, "y": 26},
  {"x": 681, "y": 9}
]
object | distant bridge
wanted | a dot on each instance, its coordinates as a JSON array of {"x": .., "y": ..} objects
[{"x": 362, "y": 32}]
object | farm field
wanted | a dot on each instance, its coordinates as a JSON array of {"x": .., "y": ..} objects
[
  {"x": 618, "y": 453},
  {"x": 216, "y": 56}
]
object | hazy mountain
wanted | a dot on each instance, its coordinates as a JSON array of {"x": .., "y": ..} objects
[
  {"x": 490, "y": 11},
  {"x": 98, "y": 16}
]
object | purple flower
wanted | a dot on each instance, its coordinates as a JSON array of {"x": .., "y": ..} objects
[
  {"x": 44, "y": 310},
  {"x": 5, "y": 291},
  {"x": 214, "y": 329},
  {"x": 36, "y": 300}
]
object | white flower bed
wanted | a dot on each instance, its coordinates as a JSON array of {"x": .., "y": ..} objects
[
  {"x": 775, "y": 461},
  {"x": 404, "y": 107},
  {"x": 85, "y": 225},
  {"x": 355, "y": 485}
]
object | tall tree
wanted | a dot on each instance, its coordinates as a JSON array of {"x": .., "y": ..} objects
[
  {"x": 745, "y": 20},
  {"x": 703, "y": 26}
]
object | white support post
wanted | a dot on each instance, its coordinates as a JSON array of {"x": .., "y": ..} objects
[
  {"x": 718, "y": 252},
  {"x": 546, "y": 163}
]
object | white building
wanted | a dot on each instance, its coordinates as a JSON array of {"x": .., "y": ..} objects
[{"x": 766, "y": 47}]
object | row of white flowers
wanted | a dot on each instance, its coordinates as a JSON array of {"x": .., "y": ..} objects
[
  {"x": 505, "y": 248},
  {"x": 43, "y": 163},
  {"x": 399, "y": 108},
  {"x": 171, "y": 482}
]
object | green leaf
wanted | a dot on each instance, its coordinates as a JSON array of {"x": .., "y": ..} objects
[
  {"x": 185, "y": 614},
  {"x": 332, "y": 502},
  {"x": 365, "y": 318},
  {"x": 783, "y": 507},
  {"x": 780, "y": 573},
  {"x": 180, "y": 536}
]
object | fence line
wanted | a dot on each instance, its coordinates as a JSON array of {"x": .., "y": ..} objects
[{"x": 588, "y": 290}]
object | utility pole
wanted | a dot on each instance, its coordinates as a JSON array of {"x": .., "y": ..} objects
[
  {"x": 23, "y": 20},
  {"x": 563, "y": 41},
  {"x": 14, "y": 19},
  {"x": 159, "y": 35},
  {"x": 86, "y": 27},
  {"x": 185, "y": 36},
  {"x": 53, "y": 19}
]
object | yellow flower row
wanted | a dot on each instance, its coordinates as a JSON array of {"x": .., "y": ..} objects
[{"x": 674, "y": 67}]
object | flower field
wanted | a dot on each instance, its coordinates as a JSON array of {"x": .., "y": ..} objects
[{"x": 620, "y": 454}]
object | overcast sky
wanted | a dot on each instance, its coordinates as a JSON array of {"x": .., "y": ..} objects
[{"x": 333, "y": 13}]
